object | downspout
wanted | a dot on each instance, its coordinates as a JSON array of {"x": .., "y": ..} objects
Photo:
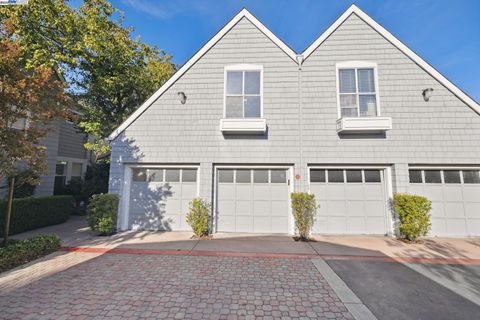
[{"x": 300, "y": 121}]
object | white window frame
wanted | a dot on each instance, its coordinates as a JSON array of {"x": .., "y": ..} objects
[
  {"x": 68, "y": 168},
  {"x": 242, "y": 67},
  {"x": 357, "y": 65}
]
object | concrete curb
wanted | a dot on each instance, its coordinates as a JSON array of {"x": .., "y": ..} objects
[{"x": 349, "y": 299}]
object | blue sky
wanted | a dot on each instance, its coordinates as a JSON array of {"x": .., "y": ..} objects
[{"x": 446, "y": 33}]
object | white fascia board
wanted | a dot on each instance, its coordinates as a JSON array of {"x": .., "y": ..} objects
[
  {"x": 397, "y": 43},
  {"x": 244, "y": 13}
]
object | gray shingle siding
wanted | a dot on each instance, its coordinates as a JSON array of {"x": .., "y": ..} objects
[
  {"x": 441, "y": 131},
  {"x": 71, "y": 141},
  {"x": 45, "y": 188}
]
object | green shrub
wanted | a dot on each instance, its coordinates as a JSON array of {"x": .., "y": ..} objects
[
  {"x": 197, "y": 216},
  {"x": 414, "y": 215},
  {"x": 33, "y": 213},
  {"x": 304, "y": 210},
  {"x": 18, "y": 252},
  {"x": 102, "y": 213}
]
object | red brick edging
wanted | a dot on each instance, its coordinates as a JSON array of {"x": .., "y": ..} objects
[{"x": 457, "y": 261}]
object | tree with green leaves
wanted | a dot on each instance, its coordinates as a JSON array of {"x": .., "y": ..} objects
[
  {"x": 110, "y": 73},
  {"x": 30, "y": 99}
]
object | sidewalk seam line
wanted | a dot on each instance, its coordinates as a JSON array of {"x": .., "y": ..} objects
[{"x": 351, "y": 301}]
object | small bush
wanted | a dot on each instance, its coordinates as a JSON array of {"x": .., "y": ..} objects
[
  {"x": 18, "y": 252},
  {"x": 33, "y": 213},
  {"x": 102, "y": 213},
  {"x": 304, "y": 210},
  {"x": 197, "y": 216},
  {"x": 414, "y": 215}
]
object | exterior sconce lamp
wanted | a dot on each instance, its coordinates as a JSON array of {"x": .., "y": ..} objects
[
  {"x": 427, "y": 94},
  {"x": 182, "y": 97}
]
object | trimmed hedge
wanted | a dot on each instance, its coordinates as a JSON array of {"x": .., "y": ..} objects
[
  {"x": 304, "y": 207},
  {"x": 414, "y": 215},
  {"x": 197, "y": 216},
  {"x": 33, "y": 213},
  {"x": 102, "y": 213},
  {"x": 19, "y": 252}
]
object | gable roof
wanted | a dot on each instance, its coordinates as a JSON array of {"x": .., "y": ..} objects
[
  {"x": 399, "y": 45},
  {"x": 353, "y": 9},
  {"x": 242, "y": 14}
]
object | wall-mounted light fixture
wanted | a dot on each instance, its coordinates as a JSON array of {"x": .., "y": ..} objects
[
  {"x": 427, "y": 94},
  {"x": 182, "y": 97}
]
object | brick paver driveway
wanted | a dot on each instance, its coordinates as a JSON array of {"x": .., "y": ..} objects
[{"x": 114, "y": 286}]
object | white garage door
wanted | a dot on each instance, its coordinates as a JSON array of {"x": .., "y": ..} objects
[
  {"x": 352, "y": 201},
  {"x": 455, "y": 196},
  {"x": 253, "y": 200},
  {"x": 159, "y": 198}
]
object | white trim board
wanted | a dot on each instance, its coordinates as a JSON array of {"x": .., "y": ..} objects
[
  {"x": 298, "y": 58},
  {"x": 242, "y": 14}
]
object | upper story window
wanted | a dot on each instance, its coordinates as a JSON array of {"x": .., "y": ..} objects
[
  {"x": 243, "y": 91},
  {"x": 357, "y": 89}
]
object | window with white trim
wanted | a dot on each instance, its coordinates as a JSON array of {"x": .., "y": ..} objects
[
  {"x": 357, "y": 90},
  {"x": 243, "y": 93}
]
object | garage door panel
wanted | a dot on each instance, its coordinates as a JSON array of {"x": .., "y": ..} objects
[
  {"x": 434, "y": 193},
  {"x": 471, "y": 193},
  {"x": 473, "y": 226},
  {"x": 261, "y": 208},
  {"x": 159, "y": 205},
  {"x": 260, "y": 205},
  {"x": 372, "y": 191},
  {"x": 244, "y": 224},
  {"x": 243, "y": 208},
  {"x": 354, "y": 191},
  {"x": 337, "y": 208},
  {"x": 226, "y": 223},
  {"x": 355, "y": 208},
  {"x": 439, "y": 226},
  {"x": 280, "y": 224},
  {"x": 335, "y": 192},
  {"x": 337, "y": 225},
  {"x": 453, "y": 193},
  {"x": 375, "y": 209},
  {"x": 472, "y": 210},
  {"x": 454, "y": 210},
  {"x": 356, "y": 225},
  {"x": 456, "y": 227},
  {"x": 279, "y": 208},
  {"x": 373, "y": 224}
]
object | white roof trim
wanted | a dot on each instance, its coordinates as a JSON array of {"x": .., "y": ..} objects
[
  {"x": 196, "y": 57},
  {"x": 397, "y": 43}
]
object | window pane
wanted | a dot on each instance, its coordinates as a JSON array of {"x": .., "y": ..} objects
[
  {"x": 349, "y": 112},
  {"x": 278, "y": 176},
  {"x": 415, "y": 176},
  {"x": 225, "y": 176},
  {"x": 243, "y": 176},
  {"x": 335, "y": 175},
  {"x": 451, "y": 176},
  {"x": 372, "y": 176},
  {"x": 172, "y": 175},
  {"x": 368, "y": 105},
  {"x": 317, "y": 175},
  {"x": 433, "y": 176},
  {"x": 189, "y": 175},
  {"x": 155, "y": 175},
  {"x": 76, "y": 169},
  {"x": 349, "y": 101},
  {"x": 60, "y": 168},
  {"x": 252, "y": 82},
  {"x": 354, "y": 175},
  {"x": 234, "y": 82},
  {"x": 347, "y": 80},
  {"x": 252, "y": 107},
  {"x": 139, "y": 175},
  {"x": 260, "y": 176},
  {"x": 234, "y": 107},
  {"x": 471, "y": 176},
  {"x": 366, "y": 82}
]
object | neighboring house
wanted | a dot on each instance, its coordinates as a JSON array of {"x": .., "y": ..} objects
[
  {"x": 246, "y": 121},
  {"x": 65, "y": 156}
]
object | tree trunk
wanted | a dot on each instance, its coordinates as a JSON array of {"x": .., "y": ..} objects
[{"x": 8, "y": 212}]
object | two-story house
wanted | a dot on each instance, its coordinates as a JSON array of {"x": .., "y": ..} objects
[{"x": 353, "y": 119}]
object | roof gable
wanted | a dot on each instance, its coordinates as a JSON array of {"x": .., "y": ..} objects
[
  {"x": 242, "y": 14},
  {"x": 353, "y": 9}
]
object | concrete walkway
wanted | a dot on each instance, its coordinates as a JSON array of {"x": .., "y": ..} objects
[{"x": 76, "y": 234}]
